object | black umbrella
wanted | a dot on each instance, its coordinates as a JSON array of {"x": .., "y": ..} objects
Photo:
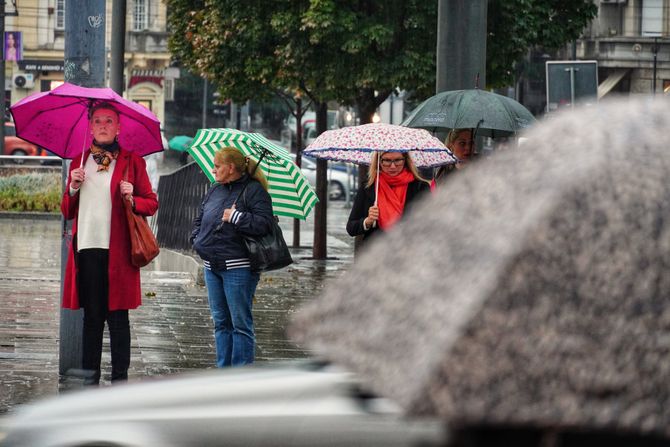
[{"x": 541, "y": 300}]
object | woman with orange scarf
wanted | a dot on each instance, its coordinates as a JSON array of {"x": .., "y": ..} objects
[{"x": 399, "y": 185}]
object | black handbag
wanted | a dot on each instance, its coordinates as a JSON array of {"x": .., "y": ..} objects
[{"x": 268, "y": 252}]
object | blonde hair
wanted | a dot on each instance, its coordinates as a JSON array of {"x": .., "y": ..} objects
[
  {"x": 374, "y": 162},
  {"x": 242, "y": 164},
  {"x": 453, "y": 134}
]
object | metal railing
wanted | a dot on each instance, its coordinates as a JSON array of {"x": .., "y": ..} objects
[
  {"x": 37, "y": 159},
  {"x": 180, "y": 195}
]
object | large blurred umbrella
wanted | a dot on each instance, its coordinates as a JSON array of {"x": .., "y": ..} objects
[
  {"x": 355, "y": 144},
  {"x": 541, "y": 301},
  {"x": 491, "y": 114},
  {"x": 180, "y": 143},
  {"x": 58, "y": 121},
  {"x": 290, "y": 191}
]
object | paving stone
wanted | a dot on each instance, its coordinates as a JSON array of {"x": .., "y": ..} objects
[{"x": 171, "y": 332}]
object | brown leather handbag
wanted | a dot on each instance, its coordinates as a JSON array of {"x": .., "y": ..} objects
[{"x": 143, "y": 243}]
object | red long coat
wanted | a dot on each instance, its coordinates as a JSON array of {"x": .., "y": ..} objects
[{"x": 124, "y": 278}]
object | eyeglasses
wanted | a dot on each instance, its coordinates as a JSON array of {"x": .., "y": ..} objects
[{"x": 387, "y": 162}]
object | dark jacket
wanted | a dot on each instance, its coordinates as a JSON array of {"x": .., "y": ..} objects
[
  {"x": 365, "y": 198},
  {"x": 217, "y": 244}
]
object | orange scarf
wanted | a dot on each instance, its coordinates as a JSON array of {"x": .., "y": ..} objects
[
  {"x": 391, "y": 198},
  {"x": 104, "y": 156}
]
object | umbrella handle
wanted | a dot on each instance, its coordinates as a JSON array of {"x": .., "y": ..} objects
[
  {"x": 83, "y": 149},
  {"x": 263, "y": 154},
  {"x": 379, "y": 156}
]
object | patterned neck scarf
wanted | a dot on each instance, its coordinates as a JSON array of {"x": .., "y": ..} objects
[{"x": 104, "y": 154}]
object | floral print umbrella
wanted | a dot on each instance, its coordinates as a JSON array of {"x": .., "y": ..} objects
[{"x": 356, "y": 144}]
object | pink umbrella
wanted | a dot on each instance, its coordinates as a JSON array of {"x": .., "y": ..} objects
[{"x": 58, "y": 121}]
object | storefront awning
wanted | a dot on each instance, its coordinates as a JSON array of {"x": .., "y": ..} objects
[
  {"x": 612, "y": 80},
  {"x": 138, "y": 76}
]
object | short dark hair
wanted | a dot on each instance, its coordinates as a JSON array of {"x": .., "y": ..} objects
[{"x": 102, "y": 105}]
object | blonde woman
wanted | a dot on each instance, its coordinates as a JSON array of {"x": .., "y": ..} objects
[
  {"x": 384, "y": 199},
  {"x": 461, "y": 143},
  {"x": 217, "y": 238}
]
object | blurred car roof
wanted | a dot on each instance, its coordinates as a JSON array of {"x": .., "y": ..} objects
[{"x": 293, "y": 404}]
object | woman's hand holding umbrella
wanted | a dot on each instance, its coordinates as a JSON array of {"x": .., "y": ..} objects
[
  {"x": 228, "y": 213},
  {"x": 373, "y": 215},
  {"x": 78, "y": 176}
]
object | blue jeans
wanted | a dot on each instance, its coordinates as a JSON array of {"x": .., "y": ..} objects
[{"x": 230, "y": 294}]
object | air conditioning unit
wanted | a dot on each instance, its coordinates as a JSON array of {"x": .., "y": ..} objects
[{"x": 24, "y": 80}]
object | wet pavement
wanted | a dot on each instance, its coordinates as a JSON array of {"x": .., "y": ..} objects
[{"x": 171, "y": 331}]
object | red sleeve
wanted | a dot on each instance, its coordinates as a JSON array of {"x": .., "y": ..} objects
[
  {"x": 146, "y": 200},
  {"x": 69, "y": 204}
]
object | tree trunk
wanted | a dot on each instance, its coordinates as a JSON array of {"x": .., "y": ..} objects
[{"x": 299, "y": 112}]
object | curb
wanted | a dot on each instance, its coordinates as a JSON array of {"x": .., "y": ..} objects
[
  {"x": 29, "y": 215},
  {"x": 174, "y": 261}
]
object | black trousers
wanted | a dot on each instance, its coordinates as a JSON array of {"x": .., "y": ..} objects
[{"x": 93, "y": 283}]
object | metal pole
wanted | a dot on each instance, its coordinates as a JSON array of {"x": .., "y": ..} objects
[
  {"x": 655, "y": 51},
  {"x": 85, "y": 66},
  {"x": 461, "y": 44},
  {"x": 118, "y": 44},
  {"x": 204, "y": 104},
  {"x": 572, "y": 86},
  {"x": 2, "y": 70}
]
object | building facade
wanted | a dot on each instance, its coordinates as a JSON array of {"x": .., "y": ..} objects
[
  {"x": 630, "y": 40},
  {"x": 42, "y": 27}
]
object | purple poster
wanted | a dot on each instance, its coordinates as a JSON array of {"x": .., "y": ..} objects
[{"x": 13, "y": 46}]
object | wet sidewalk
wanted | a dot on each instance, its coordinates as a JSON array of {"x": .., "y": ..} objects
[{"x": 171, "y": 331}]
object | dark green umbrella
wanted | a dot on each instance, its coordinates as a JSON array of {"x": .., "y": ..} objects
[
  {"x": 180, "y": 143},
  {"x": 491, "y": 114}
]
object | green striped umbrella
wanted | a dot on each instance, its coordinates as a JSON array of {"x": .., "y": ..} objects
[{"x": 291, "y": 193}]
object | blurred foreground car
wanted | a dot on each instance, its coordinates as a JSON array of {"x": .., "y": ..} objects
[{"x": 292, "y": 404}]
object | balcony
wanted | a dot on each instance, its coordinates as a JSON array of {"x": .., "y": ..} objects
[
  {"x": 624, "y": 52},
  {"x": 147, "y": 42}
]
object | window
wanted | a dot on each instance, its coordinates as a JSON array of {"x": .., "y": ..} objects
[
  {"x": 60, "y": 14},
  {"x": 140, "y": 15},
  {"x": 168, "y": 89},
  {"x": 652, "y": 17}
]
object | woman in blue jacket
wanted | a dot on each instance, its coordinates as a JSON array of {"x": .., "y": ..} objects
[{"x": 216, "y": 237}]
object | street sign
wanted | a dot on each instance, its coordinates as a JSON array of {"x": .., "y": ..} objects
[{"x": 571, "y": 82}]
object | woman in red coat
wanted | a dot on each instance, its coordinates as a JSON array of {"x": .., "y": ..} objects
[{"x": 100, "y": 277}]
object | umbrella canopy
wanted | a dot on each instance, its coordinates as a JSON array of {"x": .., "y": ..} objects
[
  {"x": 539, "y": 301},
  {"x": 354, "y": 144},
  {"x": 290, "y": 191},
  {"x": 491, "y": 114},
  {"x": 180, "y": 143},
  {"x": 58, "y": 121}
]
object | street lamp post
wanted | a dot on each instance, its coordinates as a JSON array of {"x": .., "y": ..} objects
[{"x": 654, "y": 50}]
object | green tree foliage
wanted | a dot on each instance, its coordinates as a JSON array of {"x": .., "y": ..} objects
[
  {"x": 352, "y": 51},
  {"x": 355, "y": 52}
]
